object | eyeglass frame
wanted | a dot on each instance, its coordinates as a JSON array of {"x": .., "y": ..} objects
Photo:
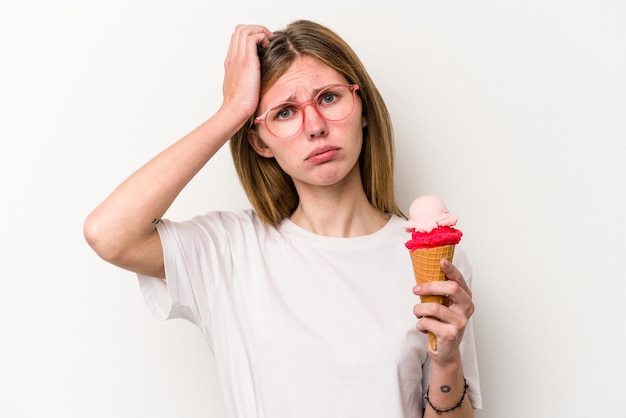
[{"x": 261, "y": 118}]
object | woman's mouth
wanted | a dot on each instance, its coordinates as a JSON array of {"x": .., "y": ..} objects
[{"x": 322, "y": 155}]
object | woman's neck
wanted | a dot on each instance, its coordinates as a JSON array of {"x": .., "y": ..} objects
[{"x": 340, "y": 210}]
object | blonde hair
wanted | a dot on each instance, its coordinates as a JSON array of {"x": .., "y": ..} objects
[{"x": 270, "y": 190}]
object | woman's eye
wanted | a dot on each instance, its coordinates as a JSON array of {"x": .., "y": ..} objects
[
  {"x": 285, "y": 112},
  {"x": 328, "y": 98}
]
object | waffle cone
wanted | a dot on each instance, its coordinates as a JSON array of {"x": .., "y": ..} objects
[{"x": 426, "y": 268}]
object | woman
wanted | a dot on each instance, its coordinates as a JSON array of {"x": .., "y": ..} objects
[{"x": 304, "y": 300}]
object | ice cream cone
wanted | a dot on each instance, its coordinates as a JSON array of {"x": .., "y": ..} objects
[{"x": 426, "y": 268}]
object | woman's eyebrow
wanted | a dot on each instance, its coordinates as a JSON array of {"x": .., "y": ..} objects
[{"x": 314, "y": 92}]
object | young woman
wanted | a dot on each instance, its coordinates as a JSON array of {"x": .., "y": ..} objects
[{"x": 305, "y": 299}]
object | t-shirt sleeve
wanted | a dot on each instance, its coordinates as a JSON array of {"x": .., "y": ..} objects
[
  {"x": 195, "y": 257},
  {"x": 468, "y": 344}
]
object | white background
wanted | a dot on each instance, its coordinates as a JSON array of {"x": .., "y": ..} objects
[{"x": 513, "y": 112}]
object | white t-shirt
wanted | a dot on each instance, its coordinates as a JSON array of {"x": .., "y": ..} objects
[{"x": 302, "y": 325}]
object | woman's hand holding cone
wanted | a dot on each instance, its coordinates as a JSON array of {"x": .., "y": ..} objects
[{"x": 446, "y": 321}]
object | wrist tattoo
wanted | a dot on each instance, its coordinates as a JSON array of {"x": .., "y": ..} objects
[{"x": 446, "y": 389}]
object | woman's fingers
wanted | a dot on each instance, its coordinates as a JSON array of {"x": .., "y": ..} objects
[
  {"x": 458, "y": 295},
  {"x": 453, "y": 274},
  {"x": 446, "y": 321},
  {"x": 242, "y": 67},
  {"x": 447, "y": 325},
  {"x": 441, "y": 313},
  {"x": 244, "y": 41}
]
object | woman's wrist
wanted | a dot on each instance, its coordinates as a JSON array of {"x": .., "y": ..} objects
[
  {"x": 233, "y": 115},
  {"x": 447, "y": 389},
  {"x": 450, "y": 367}
]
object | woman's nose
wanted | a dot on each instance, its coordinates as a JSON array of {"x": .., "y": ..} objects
[{"x": 314, "y": 123}]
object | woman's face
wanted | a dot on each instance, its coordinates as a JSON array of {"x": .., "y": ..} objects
[{"x": 322, "y": 153}]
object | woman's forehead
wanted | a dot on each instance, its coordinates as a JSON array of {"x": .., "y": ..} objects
[{"x": 304, "y": 77}]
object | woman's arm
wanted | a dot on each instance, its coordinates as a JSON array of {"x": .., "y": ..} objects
[
  {"x": 447, "y": 392},
  {"x": 122, "y": 228}
]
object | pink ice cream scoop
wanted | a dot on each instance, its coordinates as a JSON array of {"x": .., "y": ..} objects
[{"x": 428, "y": 212}]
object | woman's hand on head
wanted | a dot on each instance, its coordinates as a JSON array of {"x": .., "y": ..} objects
[
  {"x": 242, "y": 70},
  {"x": 447, "y": 321}
]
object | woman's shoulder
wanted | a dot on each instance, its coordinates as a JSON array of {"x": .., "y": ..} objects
[
  {"x": 228, "y": 220},
  {"x": 218, "y": 230}
]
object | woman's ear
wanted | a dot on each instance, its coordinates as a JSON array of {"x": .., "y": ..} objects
[
  {"x": 363, "y": 122},
  {"x": 259, "y": 146}
]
